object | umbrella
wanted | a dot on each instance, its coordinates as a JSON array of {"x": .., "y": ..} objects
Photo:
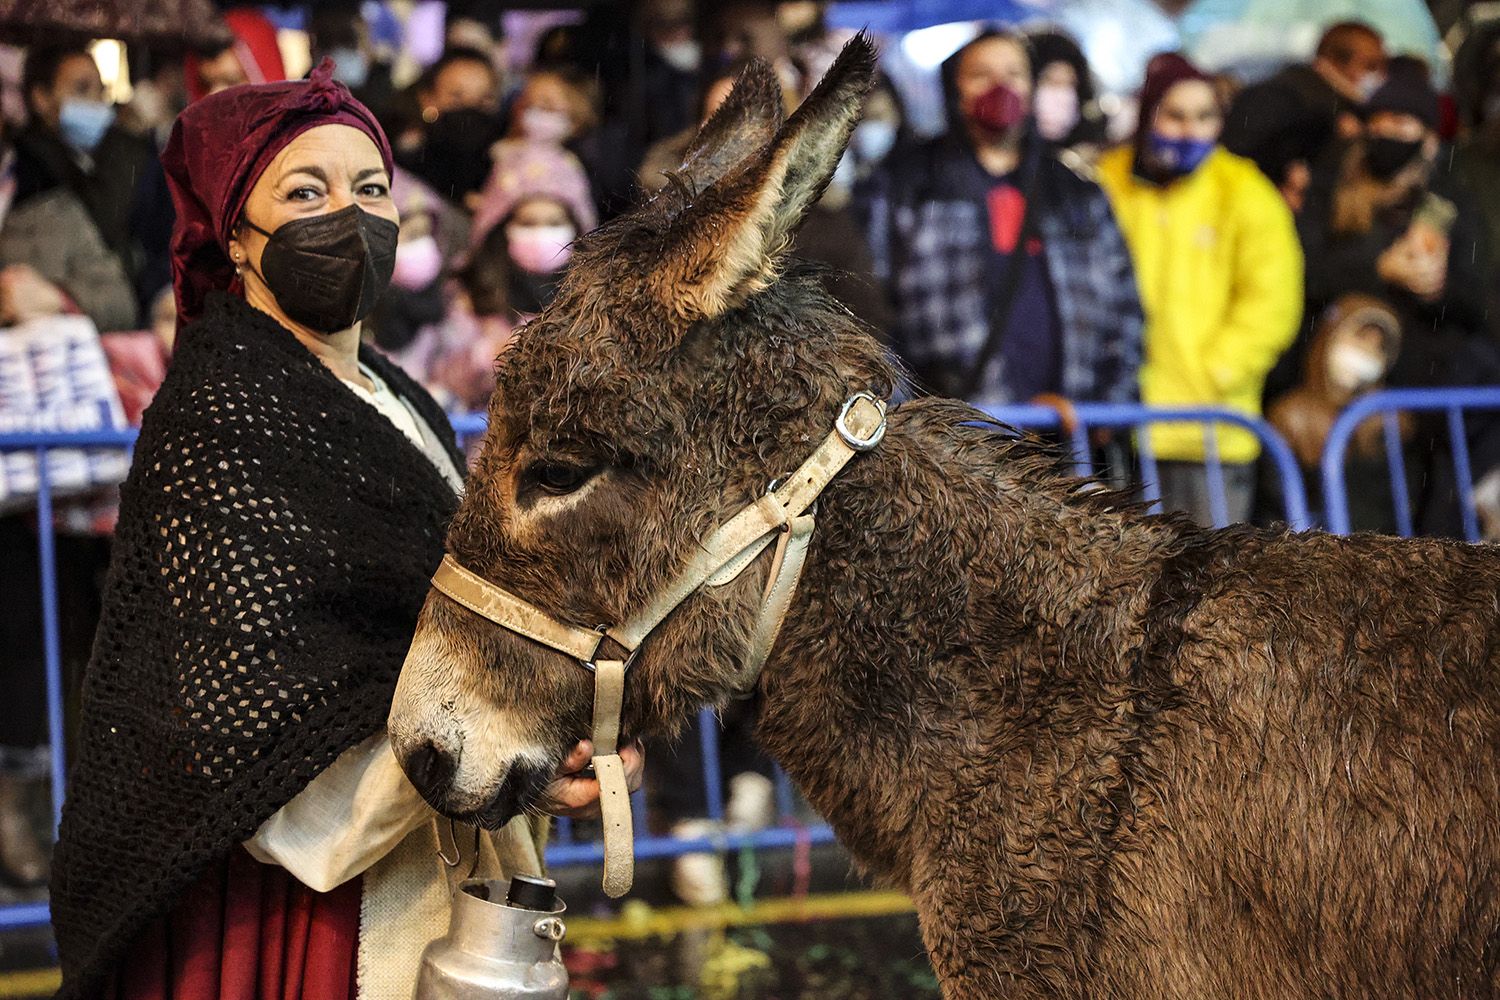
[
  {"x": 1255, "y": 36},
  {"x": 1118, "y": 36},
  {"x": 180, "y": 22},
  {"x": 890, "y": 17}
]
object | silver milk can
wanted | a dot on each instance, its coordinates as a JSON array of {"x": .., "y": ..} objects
[{"x": 501, "y": 944}]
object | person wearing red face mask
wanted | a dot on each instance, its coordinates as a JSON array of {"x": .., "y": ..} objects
[{"x": 1010, "y": 277}]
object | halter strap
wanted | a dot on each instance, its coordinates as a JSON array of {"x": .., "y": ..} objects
[
  {"x": 510, "y": 612},
  {"x": 780, "y": 515}
]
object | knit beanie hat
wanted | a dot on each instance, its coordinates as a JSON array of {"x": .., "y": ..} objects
[
  {"x": 1405, "y": 96},
  {"x": 1163, "y": 72},
  {"x": 525, "y": 168}
]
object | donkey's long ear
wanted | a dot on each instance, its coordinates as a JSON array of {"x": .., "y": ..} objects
[
  {"x": 743, "y": 125},
  {"x": 726, "y": 246}
]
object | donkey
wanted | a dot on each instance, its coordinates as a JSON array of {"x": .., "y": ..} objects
[{"x": 1106, "y": 753}]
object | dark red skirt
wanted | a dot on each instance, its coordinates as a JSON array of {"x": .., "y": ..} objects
[{"x": 247, "y": 931}]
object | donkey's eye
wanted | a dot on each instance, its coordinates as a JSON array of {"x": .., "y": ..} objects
[{"x": 559, "y": 477}]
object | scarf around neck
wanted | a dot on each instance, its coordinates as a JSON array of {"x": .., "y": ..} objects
[{"x": 275, "y": 541}]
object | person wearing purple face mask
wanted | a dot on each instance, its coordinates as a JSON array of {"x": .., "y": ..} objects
[
  {"x": 1221, "y": 277},
  {"x": 1009, "y": 275}
]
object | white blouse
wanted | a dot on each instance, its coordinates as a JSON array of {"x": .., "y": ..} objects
[{"x": 360, "y": 816}]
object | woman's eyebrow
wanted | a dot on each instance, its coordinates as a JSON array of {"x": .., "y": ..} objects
[
  {"x": 312, "y": 170},
  {"x": 369, "y": 172}
]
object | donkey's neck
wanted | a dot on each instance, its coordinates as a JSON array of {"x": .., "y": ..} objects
[{"x": 953, "y": 589}]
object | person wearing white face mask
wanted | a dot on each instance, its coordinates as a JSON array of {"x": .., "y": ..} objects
[
  {"x": 880, "y": 129},
  {"x": 420, "y": 296},
  {"x": 534, "y": 205},
  {"x": 1356, "y": 341},
  {"x": 557, "y": 107},
  {"x": 669, "y": 76},
  {"x": 1064, "y": 100},
  {"x": 70, "y": 141},
  {"x": 551, "y": 108}
]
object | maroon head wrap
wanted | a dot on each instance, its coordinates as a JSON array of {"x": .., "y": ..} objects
[
  {"x": 1163, "y": 72},
  {"x": 218, "y": 150}
]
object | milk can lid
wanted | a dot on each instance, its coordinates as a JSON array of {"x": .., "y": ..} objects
[{"x": 530, "y": 892}]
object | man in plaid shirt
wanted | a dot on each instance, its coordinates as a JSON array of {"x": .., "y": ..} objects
[{"x": 948, "y": 222}]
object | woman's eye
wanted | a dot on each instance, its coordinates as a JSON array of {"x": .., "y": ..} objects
[
  {"x": 559, "y": 477},
  {"x": 374, "y": 191},
  {"x": 304, "y": 194}
]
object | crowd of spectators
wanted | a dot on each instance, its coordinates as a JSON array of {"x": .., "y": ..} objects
[
  {"x": 1017, "y": 257},
  {"x": 1277, "y": 248}
]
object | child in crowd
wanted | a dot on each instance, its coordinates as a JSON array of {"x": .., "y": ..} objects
[{"x": 535, "y": 204}]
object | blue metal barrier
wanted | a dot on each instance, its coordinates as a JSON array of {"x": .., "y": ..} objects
[
  {"x": 1388, "y": 405},
  {"x": 37, "y": 914},
  {"x": 565, "y": 848},
  {"x": 1136, "y": 417}
]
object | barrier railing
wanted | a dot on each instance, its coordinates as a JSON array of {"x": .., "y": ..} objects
[
  {"x": 1134, "y": 417},
  {"x": 788, "y": 832},
  {"x": 1388, "y": 405},
  {"x": 35, "y": 914}
]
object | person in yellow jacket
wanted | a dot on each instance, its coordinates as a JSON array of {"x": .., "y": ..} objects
[{"x": 1220, "y": 274}]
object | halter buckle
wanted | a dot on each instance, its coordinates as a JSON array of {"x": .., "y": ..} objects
[{"x": 842, "y": 423}]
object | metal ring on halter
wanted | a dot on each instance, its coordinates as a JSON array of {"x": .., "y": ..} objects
[
  {"x": 589, "y": 664},
  {"x": 842, "y": 426}
]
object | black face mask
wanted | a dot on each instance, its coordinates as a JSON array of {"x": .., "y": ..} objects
[
  {"x": 530, "y": 293},
  {"x": 454, "y": 158},
  {"x": 327, "y": 271},
  {"x": 1386, "y": 158}
]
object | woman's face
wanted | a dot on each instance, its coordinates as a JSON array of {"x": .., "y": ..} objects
[
  {"x": 323, "y": 170},
  {"x": 1058, "y": 74},
  {"x": 538, "y": 211},
  {"x": 990, "y": 62},
  {"x": 1189, "y": 110}
]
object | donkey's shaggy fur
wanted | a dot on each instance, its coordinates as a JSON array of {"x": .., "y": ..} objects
[{"x": 1107, "y": 754}]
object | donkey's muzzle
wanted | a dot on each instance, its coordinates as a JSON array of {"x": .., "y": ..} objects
[{"x": 430, "y": 772}]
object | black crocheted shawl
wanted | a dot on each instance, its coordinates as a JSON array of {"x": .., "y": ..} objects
[{"x": 275, "y": 541}]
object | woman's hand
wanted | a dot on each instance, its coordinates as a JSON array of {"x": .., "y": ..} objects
[{"x": 577, "y": 797}]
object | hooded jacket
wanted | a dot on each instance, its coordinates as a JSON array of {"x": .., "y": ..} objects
[
  {"x": 1305, "y": 415},
  {"x": 1220, "y": 275}
]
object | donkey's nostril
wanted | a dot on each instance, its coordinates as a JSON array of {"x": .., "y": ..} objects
[{"x": 429, "y": 770}]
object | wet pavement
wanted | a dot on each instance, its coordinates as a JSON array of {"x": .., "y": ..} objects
[
  {"x": 803, "y": 928},
  {"x": 822, "y": 957}
]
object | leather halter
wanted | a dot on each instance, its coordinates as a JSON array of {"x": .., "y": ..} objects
[{"x": 782, "y": 515}]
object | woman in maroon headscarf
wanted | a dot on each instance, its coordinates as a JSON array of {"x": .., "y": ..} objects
[{"x": 236, "y": 825}]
